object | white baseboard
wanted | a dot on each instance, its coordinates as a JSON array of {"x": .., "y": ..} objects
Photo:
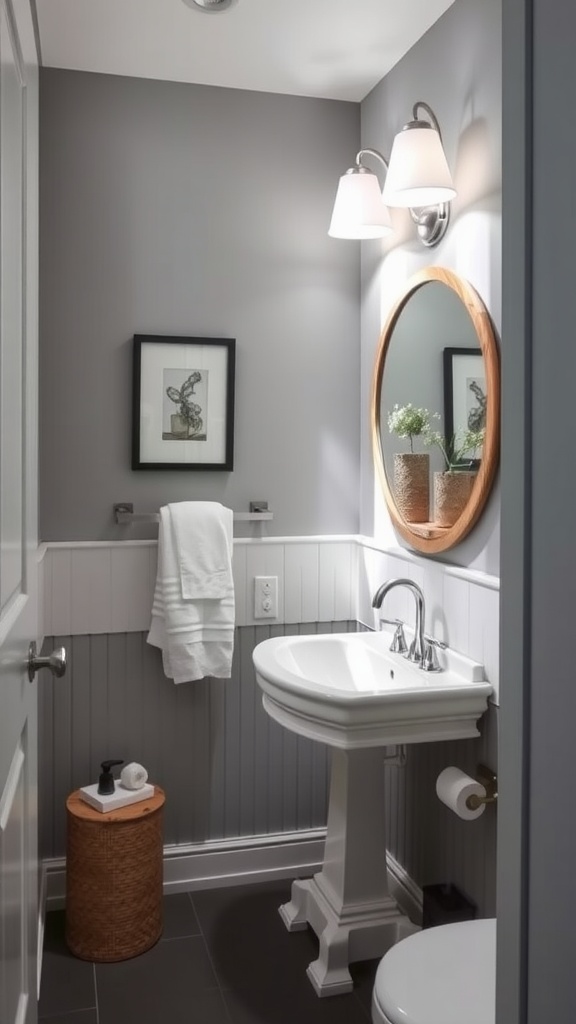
[
  {"x": 223, "y": 862},
  {"x": 239, "y": 862},
  {"x": 407, "y": 894}
]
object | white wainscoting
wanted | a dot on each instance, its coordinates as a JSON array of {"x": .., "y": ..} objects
[
  {"x": 462, "y": 605},
  {"x": 106, "y": 587}
]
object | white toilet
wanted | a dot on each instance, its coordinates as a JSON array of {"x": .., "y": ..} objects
[{"x": 442, "y": 975}]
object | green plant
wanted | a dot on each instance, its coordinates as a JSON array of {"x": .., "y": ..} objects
[
  {"x": 407, "y": 421},
  {"x": 456, "y": 448}
]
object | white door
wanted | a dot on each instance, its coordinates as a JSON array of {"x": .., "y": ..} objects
[{"x": 18, "y": 518}]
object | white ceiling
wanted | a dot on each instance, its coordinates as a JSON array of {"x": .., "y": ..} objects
[{"x": 337, "y": 49}]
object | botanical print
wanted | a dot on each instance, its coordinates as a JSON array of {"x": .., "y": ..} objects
[
  {"x": 184, "y": 405},
  {"x": 183, "y": 391},
  {"x": 475, "y": 403}
]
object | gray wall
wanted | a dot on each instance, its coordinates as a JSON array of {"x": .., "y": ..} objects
[
  {"x": 190, "y": 210},
  {"x": 456, "y": 68},
  {"x": 538, "y": 852},
  {"x": 515, "y": 625}
]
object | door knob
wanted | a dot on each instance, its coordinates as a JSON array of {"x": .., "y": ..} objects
[{"x": 56, "y": 661}]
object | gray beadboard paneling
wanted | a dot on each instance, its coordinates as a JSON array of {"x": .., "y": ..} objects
[
  {"x": 430, "y": 842},
  {"x": 229, "y": 770}
]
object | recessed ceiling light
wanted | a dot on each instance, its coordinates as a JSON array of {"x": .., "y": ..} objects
[{"x": 210, "y": 6}]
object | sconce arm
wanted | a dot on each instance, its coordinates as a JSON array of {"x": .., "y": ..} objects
[
  {"x": 429, "y": 111},
  {"x": 370, "y": 152}
]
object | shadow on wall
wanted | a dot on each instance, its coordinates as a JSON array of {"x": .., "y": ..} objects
[{"x": 475, "y": 169}]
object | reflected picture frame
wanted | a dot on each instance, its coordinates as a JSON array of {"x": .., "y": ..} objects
[
  {"x": 464, "y": 393},
  {"x": 183, "y": 403}
]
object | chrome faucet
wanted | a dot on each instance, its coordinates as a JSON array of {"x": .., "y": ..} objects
[{"x": 419, "y": 648}]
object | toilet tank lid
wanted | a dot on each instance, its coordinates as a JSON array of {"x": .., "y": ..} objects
[{"x": 443, "y": 975}]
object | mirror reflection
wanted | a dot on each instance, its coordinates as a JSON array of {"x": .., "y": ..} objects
[{"x": 436, "y": 409}]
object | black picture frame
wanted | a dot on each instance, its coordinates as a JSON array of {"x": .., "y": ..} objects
[
  {"x": 463, "y": 367},
  {"x": 183, "y": 403}
]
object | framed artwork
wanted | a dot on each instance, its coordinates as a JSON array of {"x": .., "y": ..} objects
[
  {"x": 183, "y": 403},
  {"x": 464, "y": 392}
]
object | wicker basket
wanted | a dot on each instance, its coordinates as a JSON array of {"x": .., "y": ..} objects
[
  {"x": 113, "y": 879},
  {"x": 411, "y": 486}
]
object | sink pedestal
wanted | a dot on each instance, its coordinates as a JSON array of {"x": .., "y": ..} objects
[
  {"x": 347, "y": 903},
  {"x": 351, "y": 691}
]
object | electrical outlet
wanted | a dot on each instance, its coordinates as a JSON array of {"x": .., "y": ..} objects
[{"x": 265, "y": 597}]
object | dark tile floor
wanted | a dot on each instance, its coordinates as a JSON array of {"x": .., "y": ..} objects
[{"x": 225, "y": 957}]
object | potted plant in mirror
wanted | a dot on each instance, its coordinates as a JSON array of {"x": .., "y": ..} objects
[
  {"x": 453, "y": 485},
  {"x": 411, "y": 469}
]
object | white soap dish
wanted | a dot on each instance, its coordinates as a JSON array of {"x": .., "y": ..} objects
[{"x": 121, "y": 797}]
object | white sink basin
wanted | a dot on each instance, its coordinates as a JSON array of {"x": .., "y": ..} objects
[{"x": 349, "y": 690}]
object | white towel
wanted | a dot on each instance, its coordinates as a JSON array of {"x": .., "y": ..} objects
[
  {"x": 203, "y": 539},
  {"x": 195, "y": 634}
]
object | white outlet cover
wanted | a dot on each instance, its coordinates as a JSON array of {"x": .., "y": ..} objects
[{"x": 265, "y": 597}]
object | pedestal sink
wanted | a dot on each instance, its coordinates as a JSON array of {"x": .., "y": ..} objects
[{"x": 350, "y": 691}]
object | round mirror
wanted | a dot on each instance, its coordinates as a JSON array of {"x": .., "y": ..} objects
[{"x": 436, "y": 409}]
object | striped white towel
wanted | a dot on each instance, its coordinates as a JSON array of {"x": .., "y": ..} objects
[{"x": 196, "y": 635}]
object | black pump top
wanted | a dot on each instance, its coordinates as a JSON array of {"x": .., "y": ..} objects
[{"x": 106, "y": 784}]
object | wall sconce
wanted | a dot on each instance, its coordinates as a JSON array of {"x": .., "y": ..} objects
[
  {"x": 359, "y": 211},
  {"x": 417, "y": 177}
]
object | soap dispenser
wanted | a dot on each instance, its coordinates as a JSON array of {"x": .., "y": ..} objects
[{"x": 106, "y": 784}]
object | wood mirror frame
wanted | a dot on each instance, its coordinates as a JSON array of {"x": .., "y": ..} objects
[{"x": 428, "y": 537}]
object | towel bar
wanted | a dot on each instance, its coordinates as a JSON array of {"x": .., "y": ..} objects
[{"x": 125, "y": 515}]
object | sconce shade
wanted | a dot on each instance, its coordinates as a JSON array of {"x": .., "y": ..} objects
[
  {"x": 359, "y": 211},
  {"x": 418, "y": 174}
]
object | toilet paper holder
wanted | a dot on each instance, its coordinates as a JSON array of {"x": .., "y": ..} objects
[{"x": 487, "y": 778}]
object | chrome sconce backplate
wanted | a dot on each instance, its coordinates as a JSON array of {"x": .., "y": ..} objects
[{"x": 431, "y": 222}]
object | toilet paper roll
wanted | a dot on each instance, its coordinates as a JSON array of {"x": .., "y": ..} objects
[
  {"x": 453, "y": 787},
  {"x": 133, "y": 776}
]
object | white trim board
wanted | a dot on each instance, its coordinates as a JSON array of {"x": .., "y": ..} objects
[
  {"x": 42, "y": 908},
  {"x": 476, "y": 576},
  {"x": 91, "y": 587}
]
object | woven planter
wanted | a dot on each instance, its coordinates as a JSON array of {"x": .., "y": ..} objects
[
  {"x": 178, "y": 425},
  {"x": 412, "y": 486},
  {"x": 451, "y": 495},
  {"x": 113, "y": 879}
]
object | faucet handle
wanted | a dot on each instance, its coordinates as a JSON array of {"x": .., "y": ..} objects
[
  {"x": 435, "y": 643},
  {"x": 398, "y": 645},
  {"x": 430, "y": 660}
]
